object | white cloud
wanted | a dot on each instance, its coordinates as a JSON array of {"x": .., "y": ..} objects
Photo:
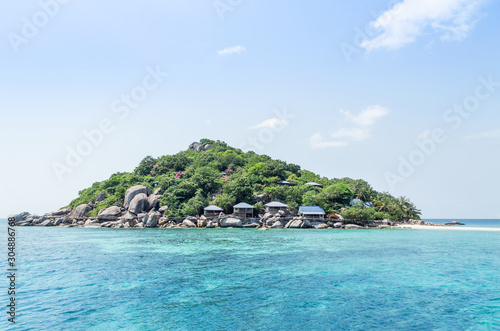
[
  {"x": 486, "y": 134},
  {"x": 354, "y": 134},
  {"x": 368, "y": 116},
  {"x": 317, "y": 141},
  {"x": 231, "y": 50},
  {"x": 271, "y": 123},
  {"x": 402, "y": 24},
  {"x": 357, "y": 130}
]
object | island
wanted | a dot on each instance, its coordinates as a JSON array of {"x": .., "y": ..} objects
[{"x": 212, "y": 185}]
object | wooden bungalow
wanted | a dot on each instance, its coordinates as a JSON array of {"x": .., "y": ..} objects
[
  {"x": 243, "y": 210},
  {"x": 275, "y": 206},
  {"x": 213, "y": 211},
  {"x": 312, "y": 212}
]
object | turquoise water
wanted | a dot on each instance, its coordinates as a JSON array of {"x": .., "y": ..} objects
[
  {"x": 483, "y": 223},
  {"x": 246, "y": 279}
]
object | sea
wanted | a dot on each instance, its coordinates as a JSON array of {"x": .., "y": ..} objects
[{"x": 248, "y": 279}]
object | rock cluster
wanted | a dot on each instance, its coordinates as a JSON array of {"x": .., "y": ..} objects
[
  {"x": 198, "y": 147},
  {"x": 141, "y": 209}
]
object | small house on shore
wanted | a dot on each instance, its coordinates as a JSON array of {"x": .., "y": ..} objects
[
  {"x": 243, "y": 210},
  {"x": 312, "y": 212},
  {"x": 213, "y": 211},
  {"x": 285, "y": 183},
  {"x": 275, "y": 206}
]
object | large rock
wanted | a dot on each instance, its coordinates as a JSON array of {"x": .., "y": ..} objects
[
  {"x": 338, "y": 225},
  {"x": 100, "y": 197},
  {"x": 163, "y": 209},
  {"x": 152, "y": 220},
  {"x": 320, "y": 226},
  {"x": 128, "y": 216},
  {"x": 266, "y": 217},
  {"x": 280, "y": 213},
  {"x": 59, "y": 221},
  {"x": 133, "y": 191},
  {"x": 46, "y": 223},
  {"x": 109, "y": 214},
  {"x": 353, "y": 226},
  {"x": 21, "y": 217},
  {"x": 142, "y": 218},
  {"x": 197, "y": 147},
  {"x": 139, "y": 203},
  {"x": 271, "y": 221},
  {"x": 231, "y": 222},
  {"x": 298, "y": 223},
  {"x": 202, "y": 222},
  {"x": 153, "y": 202},
  {"x": 210, "y": 224},
  {"x": 277, "y": 225},
  {"x": 163, "y": 221},
  {"x": 188, "y": 223},
  {"x": 80, "y": 211},
  {"x": 60, "y": 212}
]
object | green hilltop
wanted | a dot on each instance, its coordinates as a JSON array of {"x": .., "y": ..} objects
[{"x": 212, "y": 172}]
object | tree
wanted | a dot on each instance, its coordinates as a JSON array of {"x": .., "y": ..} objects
[
  {"x": 195, "y": 205},
  {"x": 226, "y": 202},
  {"x": 362, "y": 190},
  {"x": 188, "y": 179},
  {"x": 145, "y": 166},
  {"x": 358, "y": 213},
  {"x": 310, "y": 198},
  {"x": 336, "y": 193}
]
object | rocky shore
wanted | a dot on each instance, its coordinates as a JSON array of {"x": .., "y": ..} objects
[{"x": 141, "y": 209}]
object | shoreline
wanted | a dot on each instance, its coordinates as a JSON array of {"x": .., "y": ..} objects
[{"x": 453, "y": 228}]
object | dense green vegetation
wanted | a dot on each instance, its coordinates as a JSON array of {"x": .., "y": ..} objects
[{"x": 225, "y": 176}]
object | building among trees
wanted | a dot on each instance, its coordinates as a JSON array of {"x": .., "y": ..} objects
[
  {"x": 275, "y": 206},
  {"x": 312, "y": 212}
]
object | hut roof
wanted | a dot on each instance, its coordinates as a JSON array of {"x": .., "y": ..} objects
[
  {"x": 314, "y": 184},
  {"x": 311, "y": 210},
  {"x": 243, "y": 205},
  {"x": 276, "y": 204},
  {"x": 213, "y": 208}
]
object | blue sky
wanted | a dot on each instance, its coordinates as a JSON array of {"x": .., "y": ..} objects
[{"x": 344, "y": 89}]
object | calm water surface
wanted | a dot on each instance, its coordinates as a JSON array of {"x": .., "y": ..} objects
[{"x": 246, "y": 279}]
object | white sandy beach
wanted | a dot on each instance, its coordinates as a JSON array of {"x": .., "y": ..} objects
[{"x": 457, "y": 228}]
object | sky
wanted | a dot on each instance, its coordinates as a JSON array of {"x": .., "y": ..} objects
[{"x": 403, "y": 94}]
